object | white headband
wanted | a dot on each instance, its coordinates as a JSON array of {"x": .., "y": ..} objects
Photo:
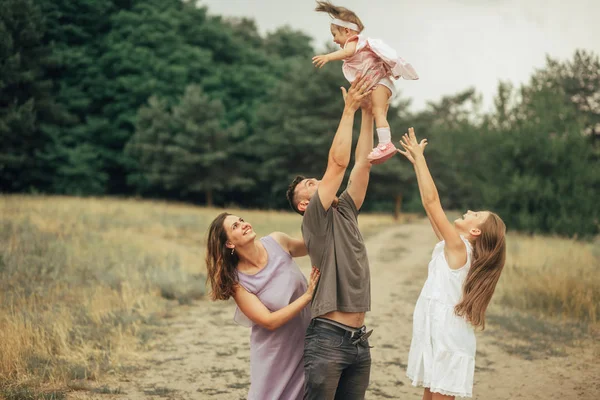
[{"x": 345, "y": 24}]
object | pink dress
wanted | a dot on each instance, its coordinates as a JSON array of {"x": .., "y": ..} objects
[{"x": 374, "y": 56}]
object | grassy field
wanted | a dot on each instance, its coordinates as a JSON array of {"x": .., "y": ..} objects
[
  {"x": 552, "y": 276},
  {"x": 85, "y": 281}
]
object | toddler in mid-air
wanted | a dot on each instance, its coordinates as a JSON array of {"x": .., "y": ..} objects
[{"x": 366, "y": 56}]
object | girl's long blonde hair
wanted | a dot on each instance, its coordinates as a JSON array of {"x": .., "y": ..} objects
[
  {"x": 340, "y": 13},
  {"x": 489, "y": 255}
]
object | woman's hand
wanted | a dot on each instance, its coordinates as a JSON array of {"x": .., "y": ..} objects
[
  {"x": 319, "y": 61},
  {"x": 312, "y": 283},
  {"x": 412, "y": 149}
]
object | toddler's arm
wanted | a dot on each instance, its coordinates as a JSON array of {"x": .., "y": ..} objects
[{"x": 346, "y": 52}]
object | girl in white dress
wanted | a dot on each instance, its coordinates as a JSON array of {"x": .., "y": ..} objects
[{"x": 464, "y": 269}]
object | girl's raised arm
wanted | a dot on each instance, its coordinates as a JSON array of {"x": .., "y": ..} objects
[{"x": 455, "y": 247}]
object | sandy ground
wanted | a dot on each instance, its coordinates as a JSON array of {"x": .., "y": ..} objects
[{"x": 204, "y": 355}]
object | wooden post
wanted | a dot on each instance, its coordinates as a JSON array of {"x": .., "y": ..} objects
[
  {"x": 398, "y": 206},
  {"x": 209, "y": 198}
]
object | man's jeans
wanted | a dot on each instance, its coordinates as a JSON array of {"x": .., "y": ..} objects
[{"x": 337, "y": 362}]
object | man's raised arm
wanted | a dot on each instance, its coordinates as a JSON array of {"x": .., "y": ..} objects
[
  {"x": 359, "y": 177},
  {"x": 339, "y": 153}
]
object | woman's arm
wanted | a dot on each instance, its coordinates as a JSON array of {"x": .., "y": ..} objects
[
  {"x": 455, "y": 247},
  {"x": 258, "y": 313},
  {"x": 295, "y": 247}
]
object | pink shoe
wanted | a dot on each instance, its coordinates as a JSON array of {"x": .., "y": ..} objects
[{"x": 381, "y": 153}]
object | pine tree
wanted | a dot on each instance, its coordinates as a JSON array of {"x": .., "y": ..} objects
[
  {"x": 188, "y": 150},
  {"x": 25, "y": 100}
]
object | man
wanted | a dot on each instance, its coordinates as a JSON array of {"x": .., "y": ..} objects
[{"x": 337, "y": 359}]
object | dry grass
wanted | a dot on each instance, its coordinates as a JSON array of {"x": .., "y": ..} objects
[
  {"x": 82, "y": 280},
  {"x": 552, "y": 276}
]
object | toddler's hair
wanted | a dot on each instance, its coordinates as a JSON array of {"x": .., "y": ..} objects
[{"x": 340, "y": 13}]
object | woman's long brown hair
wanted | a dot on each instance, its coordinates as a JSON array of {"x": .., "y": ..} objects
[
  {"x": 220, "y": 263},
  {"x": 489, "y": 255},
  {"x": 340, "y": 13}
]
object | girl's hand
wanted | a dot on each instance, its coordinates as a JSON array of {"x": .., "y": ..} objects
[
  {"x": 312, "y": 283},
  {"x": 412, "y": 149},
  {"x": 319, "y": 61}
]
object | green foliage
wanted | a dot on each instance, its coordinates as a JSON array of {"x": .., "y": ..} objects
[
  {"x": 288, "y": 43},
  {"x": 294, "y": 139},
  {"x": 577, "y": 84},
  {"x": 76, "y": 154},
  {"x": 187, "y": 149},
  {"x": 531, "y": 160},
  {"x": 25, "y": 98},
  {"x": 159, "y": 98},
  {"x": 544, "y": 175}
]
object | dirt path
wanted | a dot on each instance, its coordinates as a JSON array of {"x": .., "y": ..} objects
[{"x": 204, "y": 355}]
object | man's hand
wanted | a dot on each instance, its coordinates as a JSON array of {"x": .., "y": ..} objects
[
  {"x": 367, "y": 105},
  {"x": 319, "y": 61},
  {"x": 359, "y": 89}
]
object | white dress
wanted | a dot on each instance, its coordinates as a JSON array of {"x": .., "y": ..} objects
[{"x": 442, "y": 351}]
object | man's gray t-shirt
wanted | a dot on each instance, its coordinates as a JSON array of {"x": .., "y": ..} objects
[{"x": 337, "y": 248}]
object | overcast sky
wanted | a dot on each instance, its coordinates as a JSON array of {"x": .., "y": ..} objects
[{"x": 453, "y": 44}]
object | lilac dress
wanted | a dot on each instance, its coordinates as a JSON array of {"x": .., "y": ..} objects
[{"x": 276, "y": 364}]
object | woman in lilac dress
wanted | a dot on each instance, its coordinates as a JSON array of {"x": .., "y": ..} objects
[{"x": 271, "y": 296}]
